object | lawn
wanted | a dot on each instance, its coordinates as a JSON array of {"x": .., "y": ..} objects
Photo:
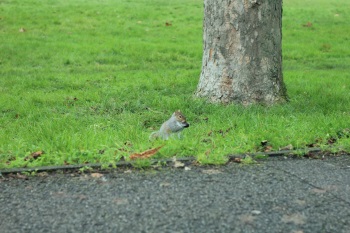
[{"x": 88, "y": 81}]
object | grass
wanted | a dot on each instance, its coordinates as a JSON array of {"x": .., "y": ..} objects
[{"x": 89, "y": 80}]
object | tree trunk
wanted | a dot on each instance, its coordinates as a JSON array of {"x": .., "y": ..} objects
[{"x": 242, "y": 57}]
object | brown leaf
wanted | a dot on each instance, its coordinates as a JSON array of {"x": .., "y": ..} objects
[
  {"x": 96, "y": 175},
  {"x": 247, "y": 218},
  {"x": 288, "y": 147},
  {"x": 168, "y": 24},
  {"x": 268, "y": 148},
  {"x": 43, "y": 174},
  {"x": 146, "y": 154},
  {"x": 34, "y": 155},
  {"x": 120, "y": 201},
  {"x": 237, "y": 160},
  {"x": 178, "y": 164},
  {"x": 211, "y": 171},
  {"x": 308, "y": 24},
  {"x": 18, "y": 176},
  {"x": 317, "y": 190},
  {"x": 298, "y": 219}
]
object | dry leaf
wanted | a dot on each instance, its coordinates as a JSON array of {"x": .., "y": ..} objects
[
  {"x": 288, "y": 147},
  {"x": 34, "y": 155},
  {"x": 308, "y": 24},
  {"x": 146, "y": 154},
  {"x": 22, "y": 30},
  {"x": 164, "y": 184},
  {"x": 43, "y": 174},
  {"x": 96, "y": 175},
  {"x": 268, "y": 148},
  {"x": 168, "y": 24},
  {"x": 211, "y": 171},
  {"x": 256, "y": 212},
  {"x": 297, "y": 219},
  {"x": 317, "y": 190},
  {"x": 178, "y": 164},
  {"x": 18, "y": 176},
  {"x": 237, "y": 160},
  {"x": 121, "y": 201},
  {"x": 247, "y": 218}
]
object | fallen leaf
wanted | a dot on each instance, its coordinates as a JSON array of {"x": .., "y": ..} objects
[
  {"x": 266, "y": 146},
  {"x": 237, "y": 160},
  {"x": 297, "y": 219},
  {"x": 121, "y": 201},
  {"x": 256, "y": 212},
  {"x": 168, "y": 24},
  {"x": 308, "y": 24},
  {"x": 317, "y": 190},
  {"x": 22, "y": 30},
  {"x": 211, "y": 171},
  {"x": 300, "y": 202},
  {"x": 165, "y": 184},
  {"x": 34, "y": 155},
  {"x": 146, "y": 154},
  {"x": 96, "y": 175},
  {"x": 178, "y": 164},
  {"x": 43, "y": 174},
  {"x": 19, "y": 176},
  {"x": 288, "y": 147},
  {"x": 247, "y": 218}
]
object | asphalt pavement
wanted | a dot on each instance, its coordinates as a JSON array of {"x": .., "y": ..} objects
[{"x": 276, "y": 195}]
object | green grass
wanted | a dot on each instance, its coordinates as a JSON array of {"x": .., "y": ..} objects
[{"x": 89, "y": 80}]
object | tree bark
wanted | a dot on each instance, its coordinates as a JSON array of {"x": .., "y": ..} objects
[{"x": 242, "y": 57}]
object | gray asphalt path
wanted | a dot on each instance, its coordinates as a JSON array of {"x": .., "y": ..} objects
[{"x": 278, "y": 195}]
